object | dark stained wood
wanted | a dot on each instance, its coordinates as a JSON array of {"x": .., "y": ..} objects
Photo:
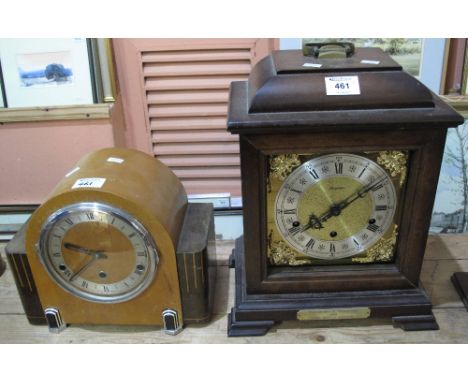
[
  {"x": 283, "y": 109},
  {"x": 460, "y": 282},
  {"x": 19, "y": 265}
]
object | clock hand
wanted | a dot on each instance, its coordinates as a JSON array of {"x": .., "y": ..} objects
[
  {"x": 86, "y": 251},
  {"x": 335, "y": 210},
  {"x": 314, "y": 222},
  {"x": 95, "y": 257}
]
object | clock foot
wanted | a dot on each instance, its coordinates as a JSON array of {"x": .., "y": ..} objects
[
  {"x": 413, "y": 323},
  {"x": 247, "y": 328},
  {"x": 54, "y": 320}
]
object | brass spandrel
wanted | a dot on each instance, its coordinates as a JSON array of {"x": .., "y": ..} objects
[
  {"x": 381, "y": 251},
  {"x": 395, "y": 162},
  {"x": 282, "y": 165}
]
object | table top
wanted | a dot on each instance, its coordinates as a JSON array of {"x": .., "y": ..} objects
[{"x": 445, "y": 254}]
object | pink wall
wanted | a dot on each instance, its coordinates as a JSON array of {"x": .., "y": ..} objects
[{"x": 34, "y": 156}]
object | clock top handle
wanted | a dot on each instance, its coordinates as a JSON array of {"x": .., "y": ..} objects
[{"x": 328, "y": 49}]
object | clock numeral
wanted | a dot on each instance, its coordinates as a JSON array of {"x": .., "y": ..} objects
[
  {"x": 377, "y": 186},
  {"x": 57, "y": 236},
  {"x": 56, "y": 254},
  {"x": 373, "y": 227},
  {"x": 362, "y": 172},
  {"x": 294, "y": 230},
  {"x": 67, "y": 272},
  {"x": 332, "y": 248},
  {"x": 356, "y": 243},
  {"x": 310, "y": 244},
  {"x": 132, "y": 234},
  {"x": 313, "y": 173},
  {"x": 105, "y": 288},
  {"x": 339, "y": 168},
  {"x": 288, "y": 212},
  {"x": 90, "y": 215},
  {"x": 84, "y": 284},
  {"x": 69, "y": 221},
  {"x": 380, "y": 208},
  {"x": 143, "y": 254},
  {"x": 294, "y": 190}
]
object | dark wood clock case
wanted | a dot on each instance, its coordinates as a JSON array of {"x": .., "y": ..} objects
[{"x": 283, "y": 108}]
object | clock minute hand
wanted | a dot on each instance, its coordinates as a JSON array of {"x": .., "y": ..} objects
[
  {"x": 336, "y": 209},
  {"x": 95, "y": 257}
]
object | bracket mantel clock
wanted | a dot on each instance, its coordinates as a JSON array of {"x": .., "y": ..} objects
[{"x": 340, "y": 159}]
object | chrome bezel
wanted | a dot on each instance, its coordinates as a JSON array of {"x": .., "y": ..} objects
[{"x": 113, "y": 211}]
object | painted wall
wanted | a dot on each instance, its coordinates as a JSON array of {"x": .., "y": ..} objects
[{"x": 34, "y": 156}]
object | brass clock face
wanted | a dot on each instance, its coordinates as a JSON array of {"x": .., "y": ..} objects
[
  {"x": 98, "y": 252},
  {"x": 331, "y": 207}
]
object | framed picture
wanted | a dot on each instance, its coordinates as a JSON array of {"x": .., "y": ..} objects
[
  {"x": 406, "y": 51},
  {"x": 423, "y": 58},
  {"x": 450, "y": 212},
  {"x": 46, "y": 72},
  {"x": 2, "y": 93},
  {"x": 464, "y": 90}
]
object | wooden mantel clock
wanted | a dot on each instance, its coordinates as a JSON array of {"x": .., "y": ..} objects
[
  {"x": 340, "y": 159},
  {"x": 116, "y": 243}
]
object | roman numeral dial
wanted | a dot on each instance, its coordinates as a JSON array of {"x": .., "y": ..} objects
[
  {"x": 98, "y": 253},
  {"x": 335, "y": 206}
]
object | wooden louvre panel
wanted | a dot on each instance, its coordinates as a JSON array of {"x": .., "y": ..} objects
[{"x": 187, "y": 99}]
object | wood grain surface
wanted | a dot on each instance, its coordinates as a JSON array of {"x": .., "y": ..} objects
[{"x": 445, "y": 254}]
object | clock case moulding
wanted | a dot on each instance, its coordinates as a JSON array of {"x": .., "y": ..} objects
[{"x": 283, "y": 108}]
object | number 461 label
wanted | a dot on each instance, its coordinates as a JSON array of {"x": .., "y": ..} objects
[{"x": 343, "y": 85}]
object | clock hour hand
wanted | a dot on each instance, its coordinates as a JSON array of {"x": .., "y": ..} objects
[
  {"x": 86, "y": 251},
  {"x": 314, "y": 222}
]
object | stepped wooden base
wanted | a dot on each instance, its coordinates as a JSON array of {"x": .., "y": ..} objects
[{"x": 254, "y": 314}]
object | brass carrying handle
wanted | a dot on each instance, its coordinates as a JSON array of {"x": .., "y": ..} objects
[{"x": 328, "y": 49}]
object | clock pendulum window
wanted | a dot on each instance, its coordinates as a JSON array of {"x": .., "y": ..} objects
[{"x": 340, "y": 156}]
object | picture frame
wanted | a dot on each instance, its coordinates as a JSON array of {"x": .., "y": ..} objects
[
  {"x": 450, "y": 211},
  {"x": 2, "y": 92},
  {"x": 46, "y": 72},
  {"x": 103, "y": 70},
  {"x": 464, "y": 90}
]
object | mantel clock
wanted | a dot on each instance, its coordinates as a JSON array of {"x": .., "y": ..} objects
[
  {"x": 340, "y": 159},
  {"x": 116, "y": 243}
]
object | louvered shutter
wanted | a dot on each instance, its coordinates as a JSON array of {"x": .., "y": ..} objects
[{"x": 186, "y": 88}]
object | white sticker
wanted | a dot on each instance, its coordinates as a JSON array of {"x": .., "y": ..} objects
[
  {"x": 72, "y": 172},
  {"x": 115, "y": 160},
  {"x": 371, "y": 62},
  {"x": 312, "y": 65},
  {"x": 344, "y": 85},
  {"x": 89, "y": 183}
]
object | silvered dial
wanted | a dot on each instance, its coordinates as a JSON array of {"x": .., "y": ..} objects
[
  {"x": 98, "y": 252},
  {"x": 335, "y": 206}
]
